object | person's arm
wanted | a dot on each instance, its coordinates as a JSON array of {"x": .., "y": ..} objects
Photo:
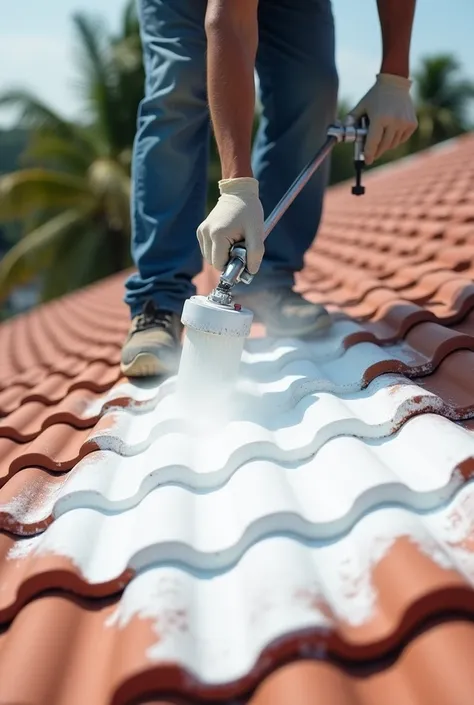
[
  {"x": 396, "y": 24},
  {"x": 232, "y": 38},
  {"x": 388, "y": 104}
]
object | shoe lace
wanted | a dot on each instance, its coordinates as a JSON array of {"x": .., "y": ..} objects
[{"x": 152, "y": 317}]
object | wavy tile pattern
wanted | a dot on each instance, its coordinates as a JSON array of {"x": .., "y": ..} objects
[
  {"x": 147, "y": 557},
  {"x": 93, "y": 554},
  {"x": 111, "y": 654}
]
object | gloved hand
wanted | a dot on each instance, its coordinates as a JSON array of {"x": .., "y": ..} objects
[
  {"x": 237, "y": 217},
  {"x": 391, "y": 113}
]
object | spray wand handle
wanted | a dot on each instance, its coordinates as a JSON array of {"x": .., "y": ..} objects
[{"x": 236, "y": 269}]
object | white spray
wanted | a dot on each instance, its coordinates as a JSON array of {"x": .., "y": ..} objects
[{"x": 212, "y": 350}]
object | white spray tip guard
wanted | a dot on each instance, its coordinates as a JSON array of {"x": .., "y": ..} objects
[{"x": 203, "y": 315}]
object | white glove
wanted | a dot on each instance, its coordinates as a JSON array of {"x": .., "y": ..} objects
[
  {"x": 391, "y": 113},
  {"x": 236, "y": 217}
]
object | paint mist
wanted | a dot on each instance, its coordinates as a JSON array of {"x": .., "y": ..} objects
[
  {"x": 210, "y": 359},
  {"x": 208, "y": 372}
]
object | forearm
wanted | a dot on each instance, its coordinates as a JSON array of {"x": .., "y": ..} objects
[
  {"x": 396, "y": 23},
  {"x": 232, "y": 38}
]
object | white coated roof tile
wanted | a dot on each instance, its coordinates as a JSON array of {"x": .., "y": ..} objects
[
  {"x": 291, "y": 427},
  {"x": 416, "y": 466},
  {"x": 302, "y": 493},
  {"x": 186, "y": 532}
]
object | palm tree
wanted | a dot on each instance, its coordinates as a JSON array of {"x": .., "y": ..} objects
[
  {"x": 73, "y": 193},
  {"x": 442, "y": 98}
]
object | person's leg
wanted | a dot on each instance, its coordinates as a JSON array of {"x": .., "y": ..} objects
[
  {"x": 298, "y": 88},
  {"x": 169, "y": 170},
  {"x": 298, "y": 91}
]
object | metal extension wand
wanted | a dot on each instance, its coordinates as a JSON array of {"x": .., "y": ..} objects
[{"x": 236, "y": 268}]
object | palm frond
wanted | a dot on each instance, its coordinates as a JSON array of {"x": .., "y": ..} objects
[
  {"x": 93, "y": 40},
  {"x": 77, "y": 261},
  {"x": 111, "y": 186},
  {"x": 101, "y": 80},
  {"x": 33, "y": 252},
  {"x": 127, "y": 54},
  {"x": 442, "y": 99},
  {"x": 53, "y": 150},
  {"x": 43, "y": 120},
  {"x": 130, "y": 25},
  {"x": 23, "y": 192},
  {"x": 36, "y": 114}
]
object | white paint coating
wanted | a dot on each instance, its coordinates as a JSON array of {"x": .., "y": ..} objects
[
  {"x": 415, "y": 467},
  {"x": 294, "y": 379},
  {"x": 214, "y": 530},
  {"x": 274, "y": 350},
  {"x": 202, "y": 315},
  {"x": 255, "y": 428},
  {"x": 289, "y": 458},
  {"x": 280, "y": 586},
  {"x": 143, "y": 394},
  {"x": 281, "y": 364}
]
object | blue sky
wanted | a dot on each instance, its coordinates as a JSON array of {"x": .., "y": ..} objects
[{"x": 36, "y": 44}]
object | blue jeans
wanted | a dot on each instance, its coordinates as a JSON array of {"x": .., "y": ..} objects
[{"x": 298, "y": 92}]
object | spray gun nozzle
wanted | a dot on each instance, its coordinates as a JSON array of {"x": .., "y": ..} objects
[{"x": 235, "y": 271}]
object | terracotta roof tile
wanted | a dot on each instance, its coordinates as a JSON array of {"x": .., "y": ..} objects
[
  {"x": 57, "y": 448},
  {"x": 32, "y": 417},
  {"x": 317, "y": 544},
  {"x": 95, "y": 639}
]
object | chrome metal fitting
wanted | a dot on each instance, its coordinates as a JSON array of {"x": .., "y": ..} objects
[
  {"x": 235, "y": 271},
  {"x": 349, "y": 132},
  {"x": 236, "y": 268},
  {"x": 221, "y": 295}
]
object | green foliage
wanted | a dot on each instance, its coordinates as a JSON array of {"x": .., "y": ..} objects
[
  {"x": 73, "y": 192},
  {"x": 12, "y": 144},
  {"x": 442, "y": 97},
  {"x": 23, "y": 192},
  {"x": 37, "y": 249},
  {"x": 72, "y": 189}
]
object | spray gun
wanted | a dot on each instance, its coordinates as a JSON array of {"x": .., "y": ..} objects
[{"x": 236, "y": 268}]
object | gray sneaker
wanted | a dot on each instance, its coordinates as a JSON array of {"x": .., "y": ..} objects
[
  {"x": 286, "y": 313},
  {"x": 152, "y": 346}
]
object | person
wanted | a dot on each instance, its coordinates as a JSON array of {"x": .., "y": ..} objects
[{"x": 200, "y": 59}]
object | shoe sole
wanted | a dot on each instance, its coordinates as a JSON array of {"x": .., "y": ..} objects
[{"x": 145, "y": 365}]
